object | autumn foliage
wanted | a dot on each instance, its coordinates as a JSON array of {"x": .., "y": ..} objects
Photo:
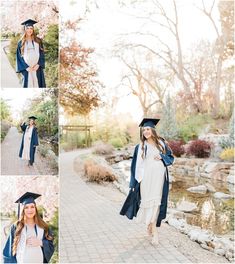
[
  {"x": 177, "y": 147},
  {"x": 79, "y": 84},
  {"x": 199, "y": 148}
]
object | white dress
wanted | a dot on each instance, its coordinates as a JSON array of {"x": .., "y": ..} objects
[
  {"x": 31, "y": 57},
  {"x": 32, "y": 254},
  {"x": 151, "y": 186},
  {"x": 27, "y": 141}
]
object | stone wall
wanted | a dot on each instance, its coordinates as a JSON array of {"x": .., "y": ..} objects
[{"x": 195, "y": 167}]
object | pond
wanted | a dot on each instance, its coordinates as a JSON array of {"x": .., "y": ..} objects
[{"x": 212, "y": 214}]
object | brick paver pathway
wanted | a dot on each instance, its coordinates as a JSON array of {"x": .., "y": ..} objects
[
  {"x": 9, "y": 78},
  {"x": 11, "y": 164},
  {"x": 91, "y": 229}
]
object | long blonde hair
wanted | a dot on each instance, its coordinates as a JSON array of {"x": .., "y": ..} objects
[
  {"x": 21, "y": 223},
  {"x": 34, "y": 38},
  {"x": 157, "y": 140}
]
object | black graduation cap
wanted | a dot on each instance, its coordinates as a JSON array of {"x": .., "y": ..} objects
[
  {"x": 150, "y": 122},
  {"x": 32, "y": 117},
  {"x": 26, "y": 198},
  {"x": 29, "y": 23}
]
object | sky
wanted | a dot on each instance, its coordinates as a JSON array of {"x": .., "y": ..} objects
[
  {"x": 17, "y": 98},
  {"x": 102, "y": 27}
]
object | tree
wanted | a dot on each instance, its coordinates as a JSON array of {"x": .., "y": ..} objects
[
  {"x": 168, "y": 124},
  {"x": 15, "y": 12},
  {"x": 5, "y": 110},
  {"x": 79, "y": 85},
  {"x": 224, "y": 44}
]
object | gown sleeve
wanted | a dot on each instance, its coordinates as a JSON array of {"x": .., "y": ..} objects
[
  {"x": 21, "y": 65},
  {"x": 23, "y": 127},
  {"x": 7, "y": 251},
  {"x": 41, "y": 61},
  {"x": 133, "y": 166},
  {"x": 168, "y": 157},
  {"x": 47, "y": 248},
  {"x": 35, "y": 143}
]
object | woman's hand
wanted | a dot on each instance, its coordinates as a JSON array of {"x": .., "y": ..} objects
[
  {"x": 157, "y": 157},
  {"x": 29, "y": 69},
  {"x": 35, "y": 67},
  {"x": 33, "y": 242}
]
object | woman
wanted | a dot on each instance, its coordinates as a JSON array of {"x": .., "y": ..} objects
[
  {"x": 147, "y": 199},
  {"x": 30, "y": 60},
  {"x": 30, "y": 240},
  {"x": 29, "y": 141}
]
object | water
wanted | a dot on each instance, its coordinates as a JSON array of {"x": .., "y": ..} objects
[{"x": 211, "y": 214}]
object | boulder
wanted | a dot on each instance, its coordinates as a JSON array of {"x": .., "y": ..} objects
[
  {"x": 220, "y": 195},
  {"x": 230, "y": 179},
  {"x": 210, "y": 166},
  {"x": 200, "y": 236},
  {"x": 198, "y": 189},
  {"x": 219, "y": 251},
  {"x": 210, "y": 187},
  {"x": 177, "y": 223},
  {"x": 186, "y": 206}
]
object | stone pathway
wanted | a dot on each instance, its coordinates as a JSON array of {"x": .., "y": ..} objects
[
  {"x": 9, "y": 78},
  {"x": 91, "y": 229},
  {"x": 11, "y": 164}
]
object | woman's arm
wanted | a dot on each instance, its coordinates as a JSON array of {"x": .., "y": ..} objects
[
  {"x": 47, "y": 248},
  {"x": 168, "y": 157},
  {"x": 35, "y": 141},
  {"x": 21, "y": 65},
  {"x": 41, "y": 61},
  {"x": 7, "y": 251},
  {"x": 23, "y": 126},
  {"x": 133, "y": 166}
]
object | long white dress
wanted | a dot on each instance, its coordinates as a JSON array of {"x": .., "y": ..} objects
[
  {"x": 151, "y": 186},
  {"x": 27, "y": 141},
  {"x": 31, "y": 57},
  {"x": 32, "y": 254}
]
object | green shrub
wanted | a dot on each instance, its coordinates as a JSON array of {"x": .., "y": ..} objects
[
  {"x": 226, "y": 143},
  {"x": 118, "y": 142},
  {"x": 54, "y": 225},
  {"x": 51, "y": 47},
  {"x": 43, "y": 149},
  {"x": 5, "y": 126},
  {"x": 192, "y": 126}
]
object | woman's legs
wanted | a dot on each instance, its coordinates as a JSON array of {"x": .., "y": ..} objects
[
  {"x": 155, "y": 240},
  {"x": 153, "y": 223}
]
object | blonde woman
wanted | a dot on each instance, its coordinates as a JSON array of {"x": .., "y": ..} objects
[
  {"x": 30, "y": 59},
  {"x": 29, "y": 141},
  {"x": 30, "y": 240},
  {"x": 149, "y": 183}
]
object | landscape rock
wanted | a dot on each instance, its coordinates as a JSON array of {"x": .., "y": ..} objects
[
  {"x": 210, "y": 187},
  {"x": 230, "y": 179},
  {"x": 186, "y": 206},
  {"x": 220, "y": 195},
  {"x": 198, "y": 189}
]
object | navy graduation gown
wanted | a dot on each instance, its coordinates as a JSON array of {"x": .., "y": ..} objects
[
  {"x": 21, "y": 67},
  {"x": 47, "y": 247},
  {"x": 131, "y": 205},
  {"x": 33, "y": 143}
]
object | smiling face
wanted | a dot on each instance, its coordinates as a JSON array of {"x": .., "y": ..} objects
[
  {"x": 147, "y": 132},
  {"x": 30, "y": 210},
  {"x": 29, "y": 31},
  {"x": 31, "y": 122}
]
